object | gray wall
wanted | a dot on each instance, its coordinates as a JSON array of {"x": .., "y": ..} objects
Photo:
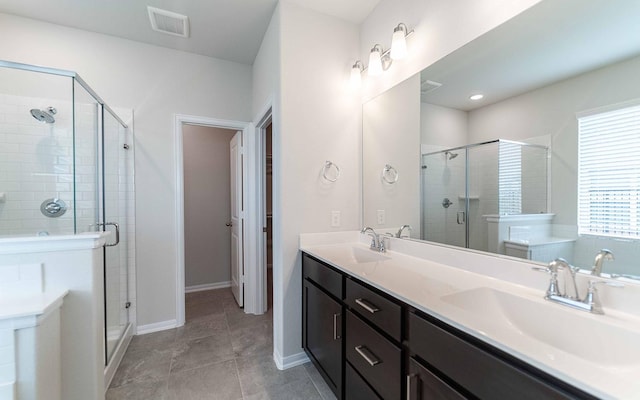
[{"x": 206, "y": 205}]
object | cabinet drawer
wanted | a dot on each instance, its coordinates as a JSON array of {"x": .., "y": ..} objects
[
  {"x": 377, "y": 359},
  {"x": 481, "y": 373},
  {"x": 327, "y": 278},
  {"x": 424, "y": 385},
  {"x": 355, "y": 387},
  {"x": 375, "y": 307}
]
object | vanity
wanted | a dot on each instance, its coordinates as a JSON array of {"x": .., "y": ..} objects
[{"x": 424, "y": 321}]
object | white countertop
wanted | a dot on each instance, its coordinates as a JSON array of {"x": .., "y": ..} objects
[
  {"x": 425, "y": 284},
  {"x": 39, "y": 244},
  {"x": 538, "y": 241},
  {"x": 27, "y": 305}
]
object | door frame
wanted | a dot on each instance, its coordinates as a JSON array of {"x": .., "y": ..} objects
[
  {"x": 248, "y": 214},
  {"x": 266, "y": 118}
]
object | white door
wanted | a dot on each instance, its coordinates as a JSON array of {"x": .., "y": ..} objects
[{"x": 237, "y": 264}]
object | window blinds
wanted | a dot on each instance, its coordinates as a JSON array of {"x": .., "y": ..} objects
[
  {"x": 510, "y": 178},
  {"x": 609, "y": 173}
]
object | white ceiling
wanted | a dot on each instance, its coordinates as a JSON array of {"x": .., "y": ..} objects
[
  {"x": 226, "y": 29},
  {"x": 552, "y": 41}
]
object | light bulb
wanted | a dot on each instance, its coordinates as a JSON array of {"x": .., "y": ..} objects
[
  {"x": 375, "y": 61},
  {"x": 399, "y": 42}
]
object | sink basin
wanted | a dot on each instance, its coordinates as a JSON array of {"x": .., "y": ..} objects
[
  {"x": 354, "y": 254},
  {"x": 587, "y": 336}
]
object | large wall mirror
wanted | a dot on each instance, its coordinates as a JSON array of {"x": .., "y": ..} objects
[{"x": 545, "y": 165}]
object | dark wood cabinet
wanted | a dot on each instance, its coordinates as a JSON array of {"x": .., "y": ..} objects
[
  {"x": 423, "y": 384},
  {"x": 375, "y": 307},
  {"x": 322, "y": 333},
  {"x": 481, "y": 370},
  {"x": 355, "y": 387},
  {"x": 378, "y": 360},
  {"x": 369, "y": 345}
]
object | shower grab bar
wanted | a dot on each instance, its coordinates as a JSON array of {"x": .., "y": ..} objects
[{"x": 104, "y": 224}]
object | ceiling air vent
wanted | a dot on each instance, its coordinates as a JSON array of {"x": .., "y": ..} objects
[
  {"x": 427, "y": 86},
  {"x": 168, "y": 22}
]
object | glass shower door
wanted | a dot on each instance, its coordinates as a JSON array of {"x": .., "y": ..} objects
[
  {"x": 443, "y": 197},
  {"x": 114, "y": 219}
]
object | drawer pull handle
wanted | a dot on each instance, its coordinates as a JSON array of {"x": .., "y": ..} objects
[
  {"x": 336, "y": 336},
  {"x": 367, "y": 306},
  {"x": 367, "y": 355}
]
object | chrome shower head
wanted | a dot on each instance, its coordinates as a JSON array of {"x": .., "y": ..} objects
[
  {"x": 44, "y": 116},
  {"x": 450, "y": 154}
]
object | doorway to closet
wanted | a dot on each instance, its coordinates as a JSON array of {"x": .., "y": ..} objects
[{"x": 207, "y": 209}]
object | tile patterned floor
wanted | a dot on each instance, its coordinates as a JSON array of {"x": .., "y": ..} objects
[{"x": 220, "y": 353}]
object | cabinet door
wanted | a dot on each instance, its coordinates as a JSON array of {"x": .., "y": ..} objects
[
  {"x": 322, "y": 334},
  {"x": 423, "y": 385}
]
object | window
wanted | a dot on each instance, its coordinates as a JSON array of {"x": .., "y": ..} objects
[
  {"x": 609, "y": 172},
  {"x": 510, "y": 178}
]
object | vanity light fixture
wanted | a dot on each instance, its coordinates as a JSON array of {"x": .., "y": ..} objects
[
  {"x": 356, "y": 74},
  {"x": 476, "y": 97},
  {"x": 399, "y": 42},
  {"x": 375, "y": 60},
  {"x": 379, "y": 59}
]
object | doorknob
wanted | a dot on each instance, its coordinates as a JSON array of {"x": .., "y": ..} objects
[{"x": 229, "y": 224}]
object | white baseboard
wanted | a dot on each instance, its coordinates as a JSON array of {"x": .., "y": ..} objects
[
  {"x": 156, "y": 327},
  {"x": 290, "y": 361},
  {"x": 207, "y": 286}
]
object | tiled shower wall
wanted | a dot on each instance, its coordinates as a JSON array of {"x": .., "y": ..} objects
[{"x": 36, "y": 163}]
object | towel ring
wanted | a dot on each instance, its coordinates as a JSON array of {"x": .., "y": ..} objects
[
  {"x": 389, "y": 174},
  {"x": 327, "y": 168}
]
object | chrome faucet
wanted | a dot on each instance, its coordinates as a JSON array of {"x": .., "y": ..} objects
[
  {"x": 590, "y": 303},
  {"x": 403, "y": 227},
  {"x": 377, "y": 243},
  {"x": 602, "y": 255},
  {"x": 569, "y": 274}
]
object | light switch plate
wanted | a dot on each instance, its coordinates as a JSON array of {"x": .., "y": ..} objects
[{"x": 381, "y": 217}]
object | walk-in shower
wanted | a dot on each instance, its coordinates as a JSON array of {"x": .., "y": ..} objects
[
  {"x": 64, "y": 170},
  {"x": 495, "y": 178}
]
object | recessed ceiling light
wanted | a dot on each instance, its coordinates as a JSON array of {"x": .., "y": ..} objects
[{"x": 476, "y": 97}]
